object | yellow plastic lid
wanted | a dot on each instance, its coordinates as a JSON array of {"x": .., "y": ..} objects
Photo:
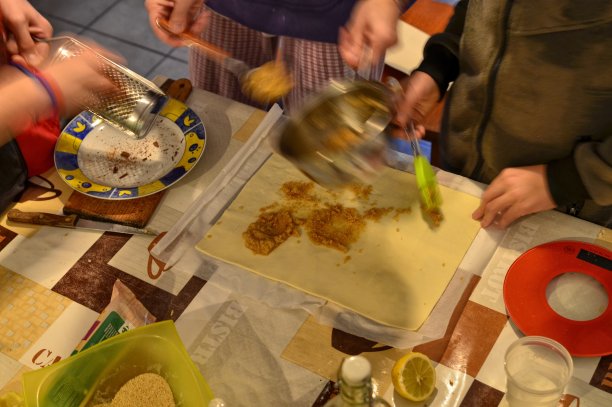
[{"x": 94, "y": 376}]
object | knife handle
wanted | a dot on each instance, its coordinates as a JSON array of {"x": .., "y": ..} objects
[
  {"x": 42, "y": 218},
  {"x": 180, "y": 89}
]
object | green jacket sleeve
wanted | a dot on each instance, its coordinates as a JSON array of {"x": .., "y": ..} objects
[{"x": 440, "y": 56}]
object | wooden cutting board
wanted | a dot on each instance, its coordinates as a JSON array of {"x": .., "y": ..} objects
[{"x": 132, "y": 212}]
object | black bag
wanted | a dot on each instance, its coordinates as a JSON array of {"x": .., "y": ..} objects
[{"x": 13, "y": 174}]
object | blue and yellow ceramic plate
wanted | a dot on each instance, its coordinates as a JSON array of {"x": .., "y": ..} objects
[{"x": 99, "y": 160}]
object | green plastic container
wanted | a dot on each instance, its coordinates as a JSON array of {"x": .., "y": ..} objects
[{"x": 94, "y": 376}]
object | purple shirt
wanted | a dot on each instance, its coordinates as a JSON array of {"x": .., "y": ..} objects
[{"x": 315, "y": 20}]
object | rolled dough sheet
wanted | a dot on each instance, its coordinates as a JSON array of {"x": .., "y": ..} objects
[{"x": 394, "y": 274}]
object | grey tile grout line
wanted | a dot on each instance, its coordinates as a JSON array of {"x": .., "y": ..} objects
[
  {"x": 92, "y": 22},
  {"x": 85, "y": 28},
  {"x": 178, "y": 59},
  {"x": 150, "y": 71},
  {"x": 102, "y": 14},
  {"x": 134, "y": 44}
]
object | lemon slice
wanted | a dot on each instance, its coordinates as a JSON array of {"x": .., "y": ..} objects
[{"x": 414, "y": 377}]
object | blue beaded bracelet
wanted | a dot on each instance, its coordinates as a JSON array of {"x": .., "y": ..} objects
[{"x": 42, "y": 81}]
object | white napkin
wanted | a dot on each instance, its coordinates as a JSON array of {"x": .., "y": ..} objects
[{"x": 193, "y": 224}]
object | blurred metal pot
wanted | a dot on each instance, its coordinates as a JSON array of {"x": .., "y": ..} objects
[{"x": 339, "y": 136}]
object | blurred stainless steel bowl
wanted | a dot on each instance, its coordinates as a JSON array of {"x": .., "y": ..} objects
[{"x": 339, "y": 136}]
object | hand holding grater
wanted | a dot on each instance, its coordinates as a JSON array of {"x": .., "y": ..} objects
[{"x": 131, "y": 106}]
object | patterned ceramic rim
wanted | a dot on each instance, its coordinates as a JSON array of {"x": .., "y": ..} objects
[{"x": 69, "y": 142}]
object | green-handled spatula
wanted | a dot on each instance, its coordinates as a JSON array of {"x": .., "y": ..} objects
[{"x": 429, "y": 192}]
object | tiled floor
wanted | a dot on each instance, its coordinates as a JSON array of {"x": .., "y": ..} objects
[{"x": 121, "y": 26}]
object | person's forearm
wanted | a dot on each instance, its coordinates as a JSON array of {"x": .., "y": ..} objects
[
  {"x": 457, "y": 21},
  {"x": 441, "y": 53},
  {"x": 22, "y": 102}
]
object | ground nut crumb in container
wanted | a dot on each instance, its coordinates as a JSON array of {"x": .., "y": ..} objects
[{"x": 145, "y": 390}]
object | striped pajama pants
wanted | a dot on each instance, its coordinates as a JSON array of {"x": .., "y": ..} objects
[{"x": 311, "y": 63}]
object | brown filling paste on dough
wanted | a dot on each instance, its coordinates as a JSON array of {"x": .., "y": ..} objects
[
  {"x": 327, "y": 224},
  {"x": 269, "y": 231},
  {"x": 335, "y": 226}
]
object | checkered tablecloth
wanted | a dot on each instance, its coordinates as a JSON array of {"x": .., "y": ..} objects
[{"x": 55, "y": 282}]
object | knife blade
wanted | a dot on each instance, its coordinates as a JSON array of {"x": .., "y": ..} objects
[{"x": 71, "y": 222}]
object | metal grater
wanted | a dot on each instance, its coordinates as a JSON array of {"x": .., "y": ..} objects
[{"x": 132, "y": 106}]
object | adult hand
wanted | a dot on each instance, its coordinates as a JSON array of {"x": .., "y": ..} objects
[
  {"x": 21, "y": 22},
  {"x": 182, "y": 15},
  {"x": 514, "y": 193},
  {"x": 373, "y": 23},
  {"x": 421, "y": 94}
]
